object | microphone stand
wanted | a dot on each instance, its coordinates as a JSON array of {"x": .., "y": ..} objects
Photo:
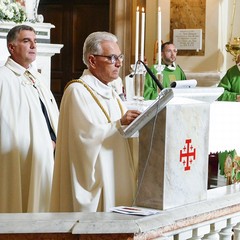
[
  {"x": 159, "y": 69},
  {"x": 160, "y": 86},
  {"x": 139, "y": 77}
]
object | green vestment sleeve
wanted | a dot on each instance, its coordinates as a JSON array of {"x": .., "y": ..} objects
[
  {"x": 231, "y": 84},
  {"x": 150, "y": 87}
]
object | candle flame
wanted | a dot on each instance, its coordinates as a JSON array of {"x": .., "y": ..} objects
[
  {"x": 143, "y": 9},
  {"x": 159, "y": 9},
  {"x": 137, "y": 8}
]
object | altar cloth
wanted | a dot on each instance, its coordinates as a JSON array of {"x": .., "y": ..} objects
[{"x": 224, "y": 128}]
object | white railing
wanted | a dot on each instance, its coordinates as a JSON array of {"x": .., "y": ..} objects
[
  {"x": 217, "y": 218},
  {"x": 226, "y": 229}
]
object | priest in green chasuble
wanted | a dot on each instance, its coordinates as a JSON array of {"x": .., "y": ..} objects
[
  {"x": 231, "y": 83},
  {"x": 170, "y": 72}
]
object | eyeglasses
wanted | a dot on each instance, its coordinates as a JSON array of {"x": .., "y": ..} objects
[{"x": 112, "y": 58}]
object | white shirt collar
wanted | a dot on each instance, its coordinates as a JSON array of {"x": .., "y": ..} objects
[
  {"x": 20, "y": 70},
  {"x": 171, "y": 67},
  {"x": 15, "y": 67},
  {"x": 102, "y": 89}
]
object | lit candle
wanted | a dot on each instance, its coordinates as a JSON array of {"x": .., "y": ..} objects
[
  {"x": 142, "y": 35},
  {"x": 159, "y": 36},
  {"x": 137, "y": 35}
]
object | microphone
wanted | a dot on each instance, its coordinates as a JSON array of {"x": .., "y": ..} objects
[
  {"x": 149, "y": 72},
  {"x": 152, "y": 75}
]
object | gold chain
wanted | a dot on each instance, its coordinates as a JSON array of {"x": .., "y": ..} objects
[{"x": 94, "y": 97}]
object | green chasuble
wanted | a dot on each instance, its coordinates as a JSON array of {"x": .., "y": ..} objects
[
  {"x": 169, "y": 76},
  {"x": 231, "y": 84}
]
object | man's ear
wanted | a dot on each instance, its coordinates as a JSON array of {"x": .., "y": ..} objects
[
  {"x": 92, "y": 61},
  {"x": 11, "y": 47}
]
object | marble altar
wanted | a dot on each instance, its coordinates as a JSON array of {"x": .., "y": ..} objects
[
  {"x": 174, "y": 148},
  {"x": 204, "y": 79},
  {"x": 173, "y": 155}
]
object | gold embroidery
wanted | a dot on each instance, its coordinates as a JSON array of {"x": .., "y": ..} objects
[{"x": 95, "y": 98}]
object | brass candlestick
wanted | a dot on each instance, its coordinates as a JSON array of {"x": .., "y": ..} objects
[{"x": 233, "y": 47}]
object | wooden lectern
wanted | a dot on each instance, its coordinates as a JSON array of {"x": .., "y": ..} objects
[{"x": 173, "y": 148}]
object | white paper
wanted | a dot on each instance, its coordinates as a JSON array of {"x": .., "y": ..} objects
[
  {"x": 134, "y": 211},
  {"x": 184, "y": 84}
]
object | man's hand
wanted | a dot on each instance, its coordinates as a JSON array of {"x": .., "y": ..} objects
[{"x": 129, "y": 116}]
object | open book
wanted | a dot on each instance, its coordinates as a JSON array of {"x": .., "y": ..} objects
[{"x": 164, "y": 97}]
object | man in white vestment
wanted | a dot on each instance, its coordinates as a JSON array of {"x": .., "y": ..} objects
[
  {"x": 28, "y": 126},
  {"x": 94, "y": 170}
]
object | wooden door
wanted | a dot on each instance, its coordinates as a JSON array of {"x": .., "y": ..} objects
[{"x": 74, "y": 20}]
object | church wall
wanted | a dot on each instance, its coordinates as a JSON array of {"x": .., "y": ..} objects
[
  {"x": 217, "y": 33},
  {"x": 194, "y": 63},
  {"x": 218, "y": 27},
  {"x": 208, "y": 62}
]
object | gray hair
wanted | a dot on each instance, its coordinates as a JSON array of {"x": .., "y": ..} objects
[
  {"x": 92, "y": 44},
  {"x": 13, "y": 33}
]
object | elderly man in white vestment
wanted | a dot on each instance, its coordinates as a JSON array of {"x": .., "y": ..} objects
[
  {"x": 94, "y": 170},
  {"x": 28, "y": 126}
]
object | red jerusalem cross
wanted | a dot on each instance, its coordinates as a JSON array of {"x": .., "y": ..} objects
[{"x": 187, "y": 155}]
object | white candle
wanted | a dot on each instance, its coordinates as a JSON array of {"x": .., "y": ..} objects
[
  {"x": 159, "y": 35},
  {"x": 137, "y": 35},
  {"x": 142, "y": 35}
]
